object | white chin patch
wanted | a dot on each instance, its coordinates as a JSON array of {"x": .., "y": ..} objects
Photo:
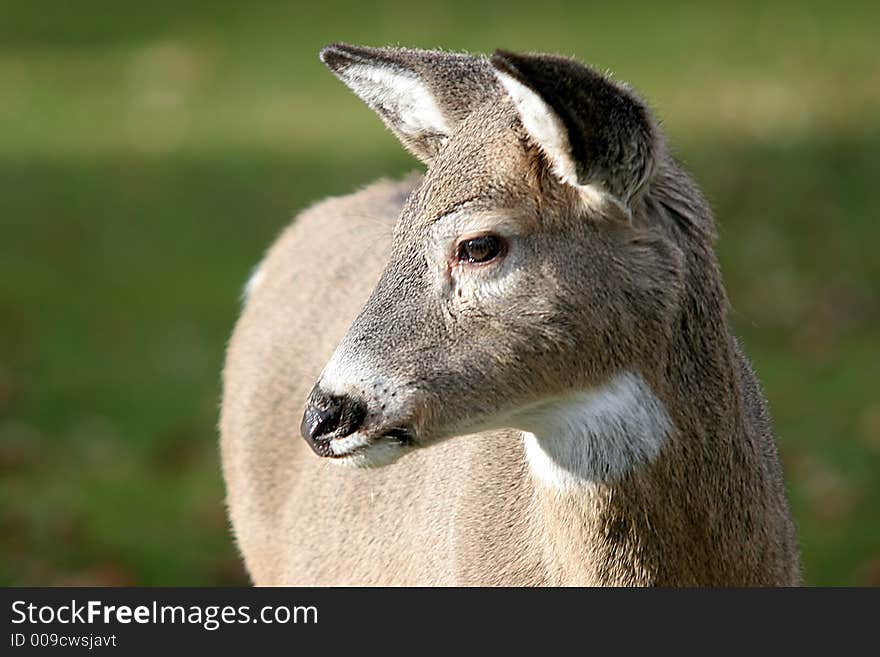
[
  {"x": 361, "y": 453},
  {"x": 349, "y": 444},
  {"x": 595, "y": 436}
]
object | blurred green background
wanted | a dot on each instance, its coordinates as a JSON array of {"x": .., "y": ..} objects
[{"x": 150, "y": 152}]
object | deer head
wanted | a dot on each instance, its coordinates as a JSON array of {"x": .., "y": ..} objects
[{"x": 527, "y": 267}]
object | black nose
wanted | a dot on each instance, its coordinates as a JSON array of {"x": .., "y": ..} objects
[{"x": 330, "y": 416}]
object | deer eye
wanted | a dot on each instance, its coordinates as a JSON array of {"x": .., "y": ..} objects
[{"x": 480, "y": 249}]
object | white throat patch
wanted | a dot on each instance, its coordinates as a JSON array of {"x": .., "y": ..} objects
[{"x": 595, "y": 436}]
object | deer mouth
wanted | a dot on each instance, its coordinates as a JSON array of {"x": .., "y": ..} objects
[
  {"x": 372, "y": 450},
  {"x": 403, "y": 436}
]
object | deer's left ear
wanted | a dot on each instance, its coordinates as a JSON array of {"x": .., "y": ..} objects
[{"x": 596, "y": 134}]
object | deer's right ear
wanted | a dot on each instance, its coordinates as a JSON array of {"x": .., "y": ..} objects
[{"x": 421, "y": 95}]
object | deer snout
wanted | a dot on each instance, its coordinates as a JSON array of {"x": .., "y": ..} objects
[{"x": 330, "y": 416}]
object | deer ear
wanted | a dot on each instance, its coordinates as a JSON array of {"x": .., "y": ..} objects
[
  {"x": 421, "y": 95},
  {"x": 597, "y": 135}
]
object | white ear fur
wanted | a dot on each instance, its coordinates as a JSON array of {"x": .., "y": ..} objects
[
  {"x": 543, "y": 125},
  {"x": 546, "y": 129},
  {"x": 400, "y": 97}
]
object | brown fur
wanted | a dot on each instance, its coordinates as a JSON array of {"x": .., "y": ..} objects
[{"x": 607, "y": 292}]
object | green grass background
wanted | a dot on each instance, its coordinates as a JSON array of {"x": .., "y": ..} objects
[{"x": 150, "y": 152}]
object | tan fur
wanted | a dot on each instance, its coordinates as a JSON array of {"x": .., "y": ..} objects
[{"x": 464, "y": 509}]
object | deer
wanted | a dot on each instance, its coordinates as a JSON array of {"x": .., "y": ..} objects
[{"x": 515, "y": 368}]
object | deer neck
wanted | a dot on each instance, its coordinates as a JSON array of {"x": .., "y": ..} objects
[
  {"x": 577, "y": 449},
  {"x": 596, "y": 435},
  {"x": 619, "y": 496}
]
